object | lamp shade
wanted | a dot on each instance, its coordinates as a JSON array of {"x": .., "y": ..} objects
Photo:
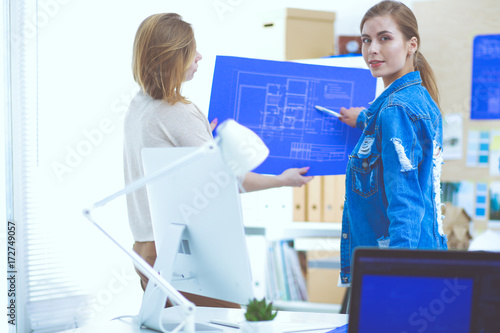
[{"x": 242, "y": 149}]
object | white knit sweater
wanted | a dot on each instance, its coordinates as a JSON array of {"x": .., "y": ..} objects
[{"x": 155, "y": 123}]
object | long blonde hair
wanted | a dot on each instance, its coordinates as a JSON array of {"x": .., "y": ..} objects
[
  {"x": 164, "y": 48},
  {"x": 407, "y": 23}
]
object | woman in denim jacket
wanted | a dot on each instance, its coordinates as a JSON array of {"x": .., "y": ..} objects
[{"x": 393, "y": 174}]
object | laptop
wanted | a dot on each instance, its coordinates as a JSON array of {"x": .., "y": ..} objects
[{"x": 406, "y": 291}]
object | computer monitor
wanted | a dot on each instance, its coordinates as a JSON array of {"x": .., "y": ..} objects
[
  {"x": 396, "y": 290},
  {"x": 197, "y": 225}
]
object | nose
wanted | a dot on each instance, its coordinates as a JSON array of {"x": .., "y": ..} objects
[
  {"x": 198, "y": 56},
  {"x": 373, "y": 48}
]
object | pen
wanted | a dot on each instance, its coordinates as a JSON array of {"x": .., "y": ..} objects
[{"x": 333, "y": 113}]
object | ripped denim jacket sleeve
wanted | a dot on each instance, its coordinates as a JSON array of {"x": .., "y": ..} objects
[
  {"x": 361, "y": 120},
  {"x": 401, "y": 156}
]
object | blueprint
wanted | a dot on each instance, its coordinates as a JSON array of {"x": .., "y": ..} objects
[
  {"x": 276, "y": 100},
  {"x": 485, "y": 95}
]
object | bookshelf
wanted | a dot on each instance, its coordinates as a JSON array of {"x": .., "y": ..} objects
[
  {"x": 271, "y": 216},
  {"x": 294, "y": 230},
  {"x": 314, "y": 238}
]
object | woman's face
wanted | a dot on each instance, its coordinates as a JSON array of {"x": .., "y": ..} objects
[
  {"x": 193, "y": 67},
  {"x": 385, "y": 50}
]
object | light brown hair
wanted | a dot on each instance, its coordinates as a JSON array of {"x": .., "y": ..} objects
[
  {"x": 407, "y": 24},
  {"x": 164, "y": 48}
]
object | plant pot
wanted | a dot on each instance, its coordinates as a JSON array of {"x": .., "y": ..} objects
[{"x": 268, "y": 326}]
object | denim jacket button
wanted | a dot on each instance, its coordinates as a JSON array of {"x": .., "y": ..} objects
[
  {"x": 365, "y": 164},
  {"x": 344, "y": 235}
]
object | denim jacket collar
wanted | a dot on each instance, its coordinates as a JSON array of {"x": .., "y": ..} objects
[{"x": 406, "y": 80}]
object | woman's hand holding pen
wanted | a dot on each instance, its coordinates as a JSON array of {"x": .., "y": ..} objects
[
  {"x": 350, "y": 116},
  {"x": 213, "y": 124}
]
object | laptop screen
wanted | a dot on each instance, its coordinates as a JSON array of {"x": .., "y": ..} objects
[{"x": 407, "y": 291}]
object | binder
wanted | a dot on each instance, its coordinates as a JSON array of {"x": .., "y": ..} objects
[
  {"x": 333, "y": 198},
  {"x": 299, "y": 203},
  {"x": 313, "y": 200}
]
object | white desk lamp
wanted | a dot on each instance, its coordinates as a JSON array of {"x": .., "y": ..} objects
[{"x": 242, "y": 151}]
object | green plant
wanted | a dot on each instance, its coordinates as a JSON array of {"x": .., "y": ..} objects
[{"x": 260, "y": 310}]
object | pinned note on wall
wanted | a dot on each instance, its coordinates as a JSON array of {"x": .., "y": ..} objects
[
  {"x": 494, "y": 194},
  {"x": 495, "y": 153},
  {"x": 481, "y": 204},
  {"x": 453, "y": 136},
  {"x": 478, "y": 147},
  {"x": 485, "y": 94}
]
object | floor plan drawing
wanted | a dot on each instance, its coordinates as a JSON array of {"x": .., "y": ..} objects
[
  {"x": 485, "y": 96},
  {"x": 277, "y": 102},
  {"x": 286, "y": 113}
]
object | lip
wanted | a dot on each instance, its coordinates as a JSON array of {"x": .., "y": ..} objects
[{"x": 375, "y": 63}]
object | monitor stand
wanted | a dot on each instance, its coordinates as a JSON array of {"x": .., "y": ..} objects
[{"x": 153, "y": 313}]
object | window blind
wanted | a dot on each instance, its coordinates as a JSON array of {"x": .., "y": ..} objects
[{"x": 46, "y": 298}]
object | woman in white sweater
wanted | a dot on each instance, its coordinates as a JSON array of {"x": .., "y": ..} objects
[{"x": 164, "y": 57}]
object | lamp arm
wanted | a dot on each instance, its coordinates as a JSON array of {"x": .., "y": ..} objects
[
  {"x": 187, "y": 308},
  {"x": 147, "y": 270},
  {"x": 204, "y": 149}
]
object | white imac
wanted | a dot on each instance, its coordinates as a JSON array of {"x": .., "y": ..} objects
[{"x": 198, "y": 228}]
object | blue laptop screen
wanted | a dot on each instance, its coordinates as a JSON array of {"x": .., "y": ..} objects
[
  {"x": 415, "y": 304},
  {"x": 417, "y": 291}
]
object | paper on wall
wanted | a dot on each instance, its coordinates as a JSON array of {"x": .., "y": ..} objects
[
  {"x": 452, "y": 136},
  {"x": 495, "y": 153}
]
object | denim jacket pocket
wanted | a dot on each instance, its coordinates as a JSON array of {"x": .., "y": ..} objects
[{"x": 365, "y": 174}]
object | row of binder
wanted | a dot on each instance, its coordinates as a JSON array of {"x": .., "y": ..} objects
[
  {"x": 321, "y": 200},
  {"x": 285, "y": 280}
]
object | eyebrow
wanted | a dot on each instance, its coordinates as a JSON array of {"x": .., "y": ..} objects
[{"x": 378, "y": 33}]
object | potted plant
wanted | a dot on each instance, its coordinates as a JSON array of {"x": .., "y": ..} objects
[{"x": 259, "y": 317}]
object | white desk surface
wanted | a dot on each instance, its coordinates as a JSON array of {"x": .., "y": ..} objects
[{"x": 205, "y": 314}]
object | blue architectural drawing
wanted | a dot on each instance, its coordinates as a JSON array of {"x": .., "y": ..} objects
[
  {"x": 276, "y": 100},
  {"x": 485, "y": 95}
]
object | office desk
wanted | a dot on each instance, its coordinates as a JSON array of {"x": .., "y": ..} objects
[{"x": 205, "y": 314}]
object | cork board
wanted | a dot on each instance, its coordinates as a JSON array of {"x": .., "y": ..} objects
[{"x": 447, "y": 30}]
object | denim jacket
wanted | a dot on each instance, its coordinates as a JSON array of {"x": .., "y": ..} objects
[{"x": 393, "y": 174}]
